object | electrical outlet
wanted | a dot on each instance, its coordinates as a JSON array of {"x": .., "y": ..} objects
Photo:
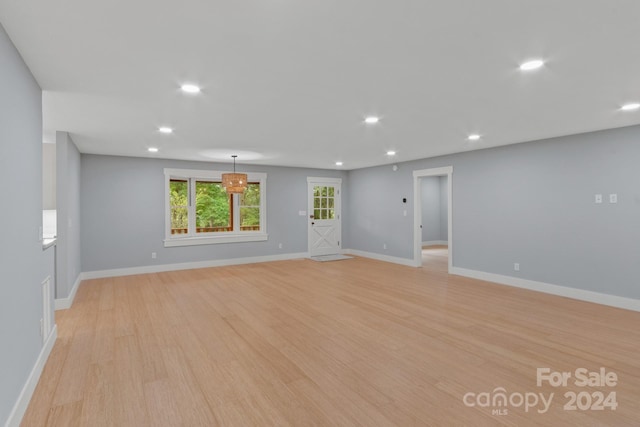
[
  {"x": 384, "y": 246},
  {"x": 279, "y": 245},
  {"x": 516, "y": 266},
  {"x": 154, "y": 255},
  {"x": 598, "y": 198},
  {"x": 613, "y": 198}
]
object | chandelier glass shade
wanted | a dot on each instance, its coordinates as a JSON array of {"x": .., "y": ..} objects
[{"x": 234, "y": 182}]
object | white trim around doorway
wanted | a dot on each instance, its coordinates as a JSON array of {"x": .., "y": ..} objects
[{"x": 417, "y": 211}]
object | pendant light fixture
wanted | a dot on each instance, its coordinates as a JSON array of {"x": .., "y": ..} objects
[{"x": 234, "y": 182}]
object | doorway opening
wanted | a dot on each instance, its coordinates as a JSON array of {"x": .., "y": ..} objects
[{"x": 433, "y": 228}]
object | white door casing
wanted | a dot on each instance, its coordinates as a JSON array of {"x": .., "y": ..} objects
[{"x": 324, "y": 216}]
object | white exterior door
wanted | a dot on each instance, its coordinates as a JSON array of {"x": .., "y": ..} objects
[{"x": 324, "y": 216}]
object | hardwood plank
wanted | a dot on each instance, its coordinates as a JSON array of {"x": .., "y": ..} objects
[
  {"x": 74, "y": 371},
  {"x": 191, "y": 402},
  {"x": 42, "y": 399},
  {"x": 162, "y": 404},
  {"x": 99, "y": 405},
  {"x": 65, "y": 415},
  {"x": 128, "y": 398}
]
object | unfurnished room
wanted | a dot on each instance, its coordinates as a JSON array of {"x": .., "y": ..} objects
[{"x": 360, "y": 213}]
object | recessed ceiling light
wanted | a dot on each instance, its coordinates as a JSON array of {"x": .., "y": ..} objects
[
  {"x": 338, "y": 163},
  {"x": 531, "y": 65},
  {"x": 165, "y": 129},
  {"x": 371, "y": 120},
  {"x": 190, "y": 88},
  {"x": 391, "y": 153},
  {"x": 152, "y": 149},
  {"x": 473, "y": 137},
  {"x": 630, "y": 107}
]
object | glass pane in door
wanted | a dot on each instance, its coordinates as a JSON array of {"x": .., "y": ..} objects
[{"x": 324, "y": 202}]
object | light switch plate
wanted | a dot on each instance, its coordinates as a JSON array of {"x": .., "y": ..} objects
[
  {"x": 302, "y": 213},
  {"x": 613, "y": 198},
  {"x": 598, "y": 198}
]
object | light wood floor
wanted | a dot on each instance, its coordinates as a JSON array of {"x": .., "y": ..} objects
[
  {"x": 435, "y": 258},
  {"x": 297, "y": 343}
]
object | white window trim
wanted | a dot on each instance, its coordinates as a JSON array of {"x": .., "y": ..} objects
[{"x": 227, "y": 237}]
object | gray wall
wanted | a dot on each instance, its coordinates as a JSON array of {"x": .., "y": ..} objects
[
  {"x": 444, "y": 208},
  {"x": 48, "y": 176},
  {"x": 123, "y": 218},
  {"x": 68, "y": 255},
  {"x": 530, "y": 203},
  {"x": 434, "y": 209},
  {"x": 431, "y": 208},
  {"x": 376, "y": 210},
  {"x": 21, "y": 255}
]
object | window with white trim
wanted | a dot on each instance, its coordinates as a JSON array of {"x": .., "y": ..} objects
[{"x": 198, "y": 210}]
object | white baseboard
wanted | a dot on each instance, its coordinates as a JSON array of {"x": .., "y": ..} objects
[
  {"x": 188, "y": 265},
  {"x": 15, "y": 417},
  {"x": 563, "y": 291},
  {"x": 380, "y": 257},
  {"x": 435, "y": 243},
  {"x": 65, "y": 303}
]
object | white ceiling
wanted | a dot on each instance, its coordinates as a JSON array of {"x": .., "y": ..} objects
[{"x": 290, "y": 82}]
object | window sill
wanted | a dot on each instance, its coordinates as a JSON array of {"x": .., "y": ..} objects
[{"x": 214, "y": 240}]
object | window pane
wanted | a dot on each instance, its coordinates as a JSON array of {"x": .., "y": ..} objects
[
  {"x": 178, "y": 190},
  {"x": 213, "y": 210},
  {"x": 332, "y": 214},
  {"x": 316, "y": 203},
  {"x": 330, "y": 191},
  {"x": 179, "y": 220},
  {"x": 250, "y": 208},
  {"x": 316, "y": 191},
  {"x": 324, "y": 191},
  {"x": 316, "y": 213},
  {"x": 323, "y": 203},
  {"x": 249, "y": 219},
  {"x": 251, "y": 196},
  {"x": 324, "y": 214},
  {"x": 330, "y": 203}
]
